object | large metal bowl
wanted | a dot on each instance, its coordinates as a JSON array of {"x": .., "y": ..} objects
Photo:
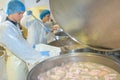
[
  {"x": 95, "y": 23},
  {"x": 66, "y": 44},
  {"x": 83, "y": 56}
]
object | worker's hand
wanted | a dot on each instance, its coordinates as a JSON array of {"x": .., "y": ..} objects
[
  {"x": 44, "y": 53},
  {"x": 55, "y": 27}
]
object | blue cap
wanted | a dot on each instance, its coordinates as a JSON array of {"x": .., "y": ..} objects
[
  {"x": 15, "y": 6},
  {"x": 44, "y": 13}
]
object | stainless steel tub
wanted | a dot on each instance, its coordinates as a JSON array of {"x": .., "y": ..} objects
[
  {"x": 95, "y": 23},
  {"x": 83, "y": 56}
]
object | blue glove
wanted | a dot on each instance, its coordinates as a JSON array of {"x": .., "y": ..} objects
[
  {"x": 34, "y": 46},
  {"x": 29, "y": 12},
  {"x": 47, "y": 30},
  {"x": 44, "y": 53}
]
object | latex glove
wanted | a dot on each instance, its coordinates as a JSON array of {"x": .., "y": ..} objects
[
  {"x": 44, "y": 53},
  {"x": 34, "y": 46},
  {"x": 29, "y": 12},
  {"x": 47, "y": 30}
]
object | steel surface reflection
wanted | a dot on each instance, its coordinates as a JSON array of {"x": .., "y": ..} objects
[{"x": 95, "y": 23}]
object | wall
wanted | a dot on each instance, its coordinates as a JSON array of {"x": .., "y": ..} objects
[
  {"x": 32, "y": 3},
  {"x": 28, "y": 3},
  {"x": 3, "y": 4}
]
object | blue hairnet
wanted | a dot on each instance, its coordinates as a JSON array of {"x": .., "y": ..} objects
[
  {"x": 44, "y": 13},
  {"x": 15, "y": 6}
]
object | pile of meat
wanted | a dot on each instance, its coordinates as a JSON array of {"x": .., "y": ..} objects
[{"x": 80, "y": 71}]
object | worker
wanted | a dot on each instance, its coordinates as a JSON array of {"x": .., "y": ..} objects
[
  {"x": 19, "y": 52},
  {"x": 37, "y": 31},
  {"x": 51, "y": 26},
  {"x": 45, "y": 16}
]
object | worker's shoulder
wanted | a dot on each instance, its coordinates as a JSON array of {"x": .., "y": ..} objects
[{"x": 5, "y": 25}]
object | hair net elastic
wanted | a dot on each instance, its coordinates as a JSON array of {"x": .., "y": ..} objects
[
  {"x": 15, "y": 6},
  {"x": 44, "y": 13}
]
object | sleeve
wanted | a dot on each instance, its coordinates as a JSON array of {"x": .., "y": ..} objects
[
  {"x": 40, "y": 33},
  {"x": 31, "y": 35},
  {"x": 26, "y": 21},
  {"x": 19, "y": 46}
]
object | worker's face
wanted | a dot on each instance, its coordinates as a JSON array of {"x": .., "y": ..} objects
[
  {"x": 46, "y": 18},
  {"x": 19, "y": 16}
]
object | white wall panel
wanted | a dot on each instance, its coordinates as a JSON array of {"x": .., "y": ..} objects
[
  {"x": 32, "y": 3},
  {"x": 3, "y": 4}
]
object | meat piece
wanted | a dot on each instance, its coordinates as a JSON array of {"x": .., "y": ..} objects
[
  {"x": 94, "y": 72},
  {"x": 80, "y": 71},
  {"x": 110, "y": 76}
]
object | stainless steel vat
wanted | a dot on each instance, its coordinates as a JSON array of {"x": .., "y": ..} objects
[
  {"x": 95, "y": 23},
  {"x": 66, "y": 44},
  {"x": 83, "y": 56}
]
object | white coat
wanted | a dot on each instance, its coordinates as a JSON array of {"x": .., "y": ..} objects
[
  {"x": 19, "y": 52},
  {"x": 37, "y": 32}
]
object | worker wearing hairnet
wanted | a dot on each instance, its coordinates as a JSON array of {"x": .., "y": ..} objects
[
  {"x": 45, "y": 17},
  {"x": 19, "y": 52},
  {"x": 36, "y": 29}
]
